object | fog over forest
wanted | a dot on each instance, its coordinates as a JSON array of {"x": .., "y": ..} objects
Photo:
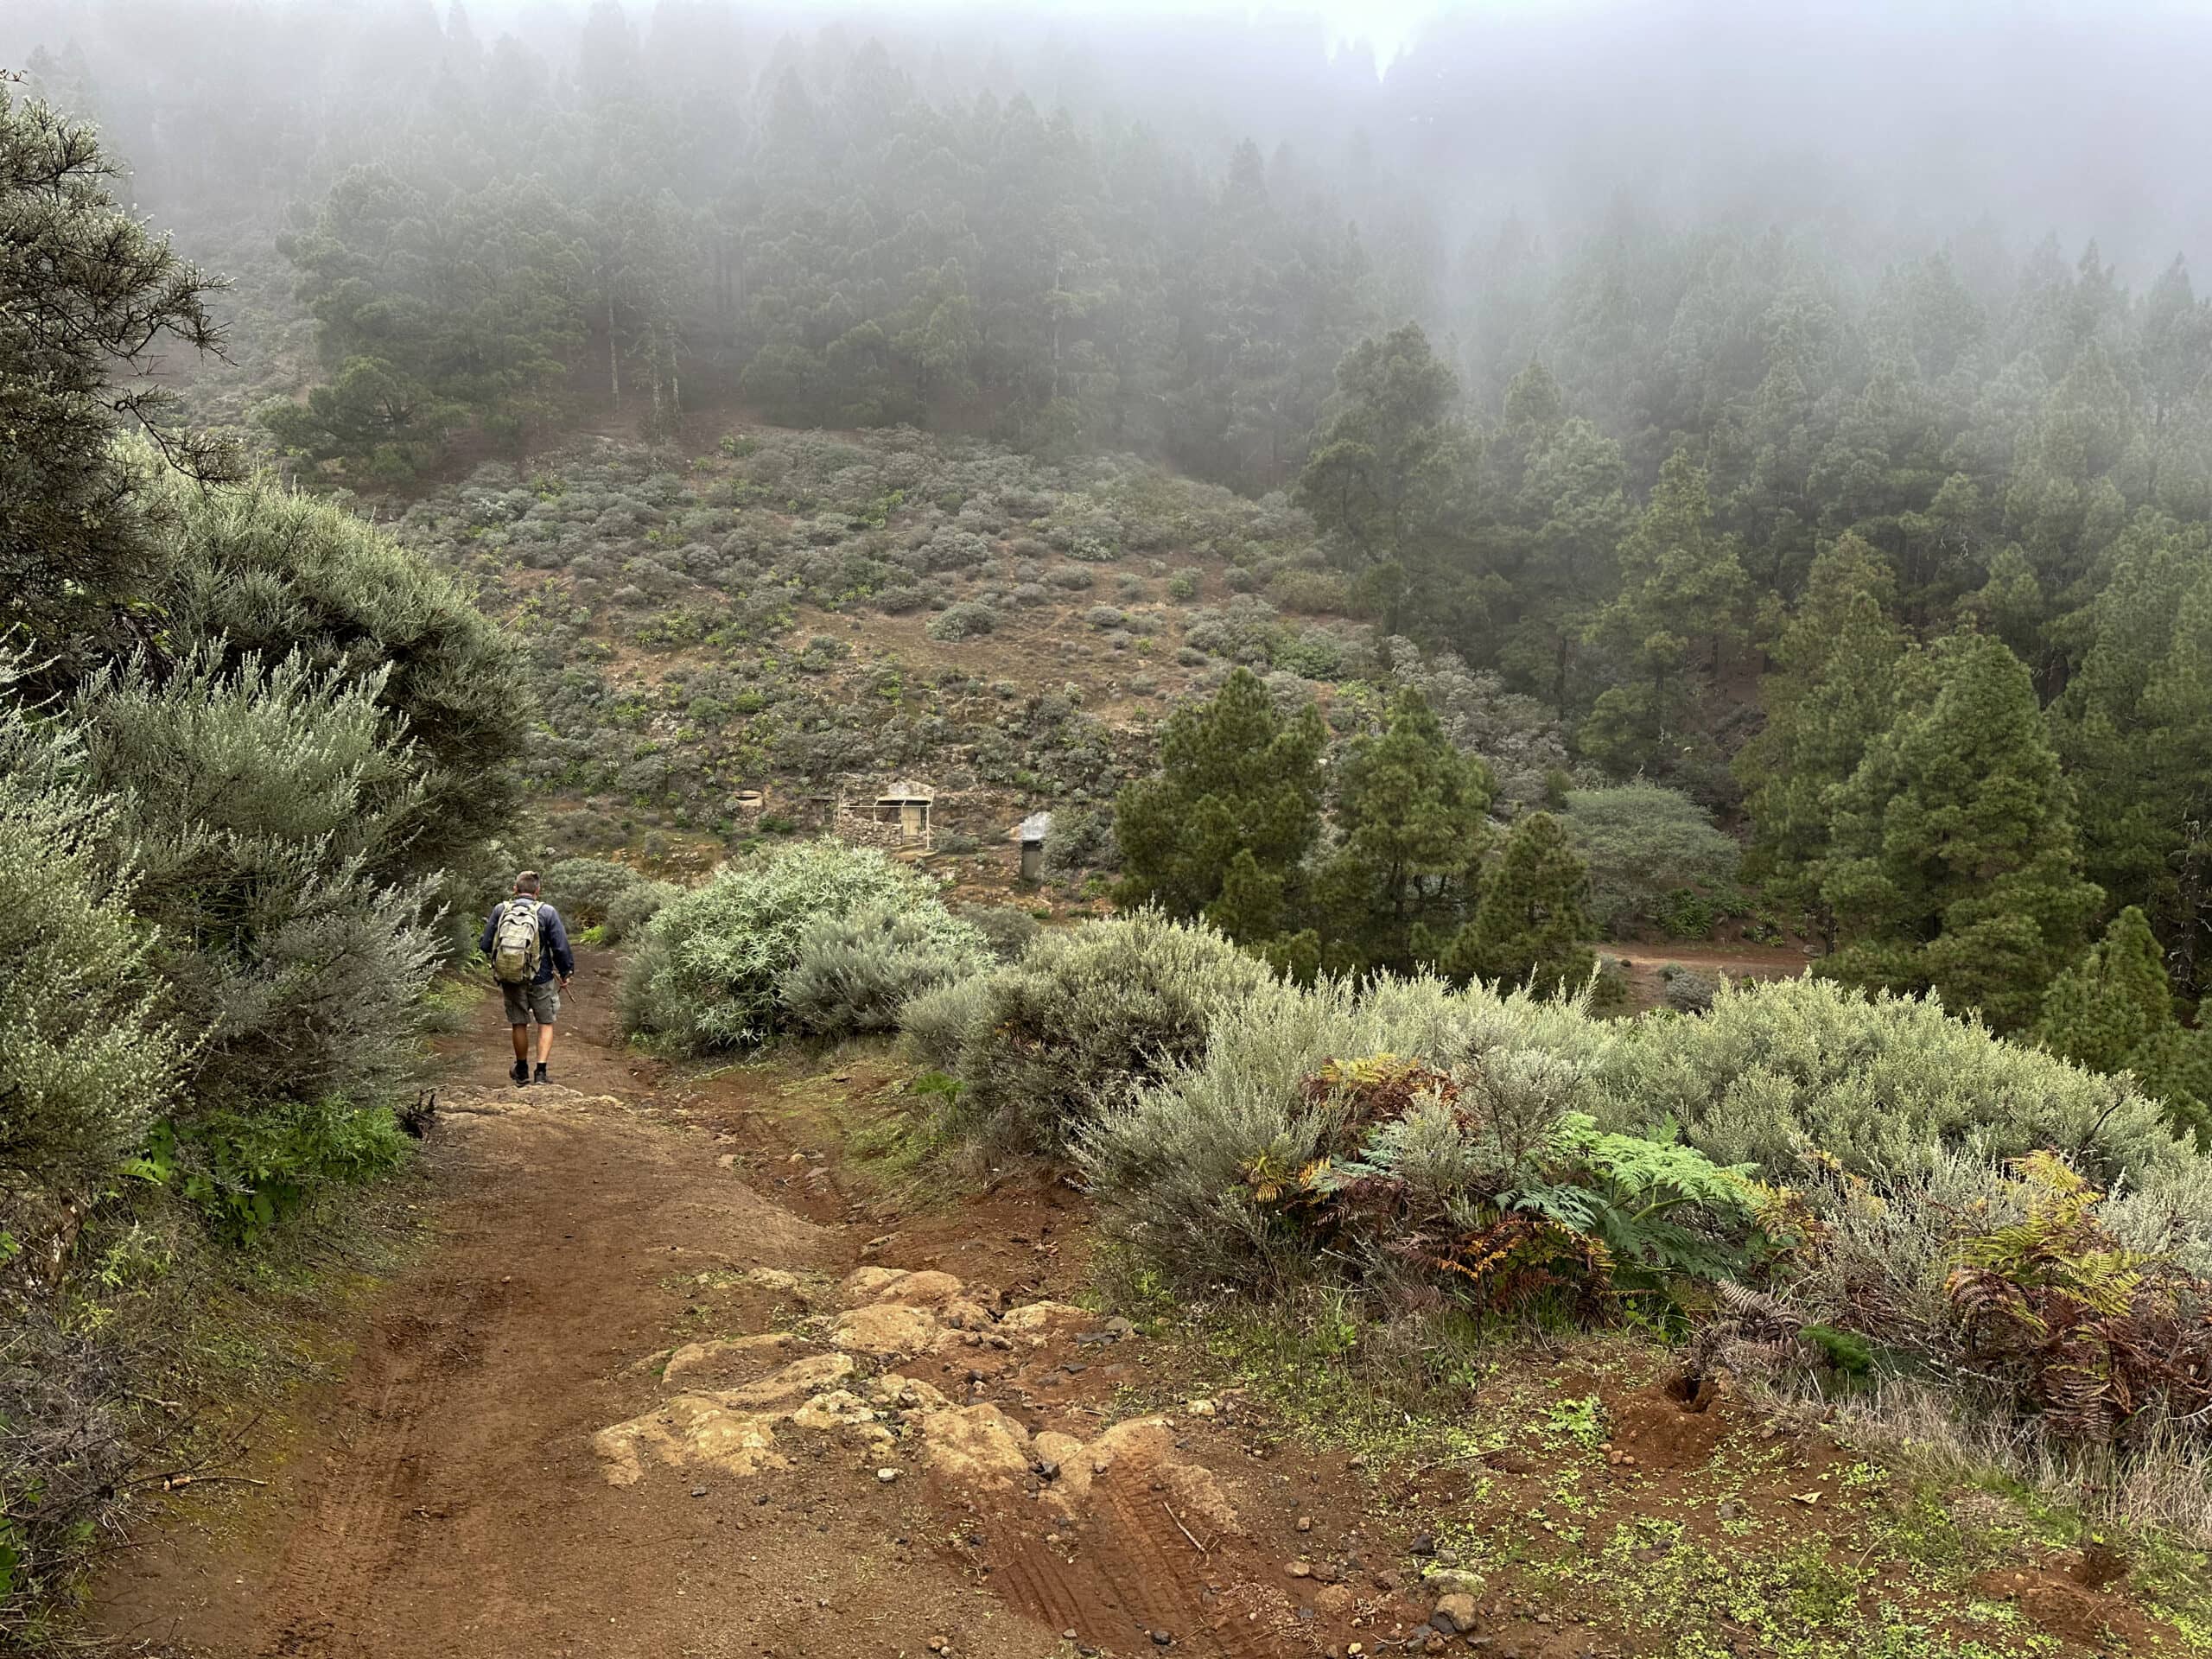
[
  {"x": 1887, "y": 126},
  {"x": 1490, "y": 670}
]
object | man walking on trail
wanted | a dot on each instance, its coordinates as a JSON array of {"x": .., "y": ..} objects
[{"x": 529, "y": 949}]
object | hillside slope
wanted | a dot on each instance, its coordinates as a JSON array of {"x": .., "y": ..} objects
[{"x": 729, "y": 642}]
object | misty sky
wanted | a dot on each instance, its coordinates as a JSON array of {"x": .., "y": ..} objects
[{"x": 1894, "y": 120}]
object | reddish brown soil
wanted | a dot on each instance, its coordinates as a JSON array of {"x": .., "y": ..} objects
[
  {"x": 443, "y": 1499},
  {"x": 1735, "y": 960}
]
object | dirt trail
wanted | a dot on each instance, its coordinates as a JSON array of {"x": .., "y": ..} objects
[
  {"x": 671, "y": 1382},
  {"x": 446, "y": 1497}
]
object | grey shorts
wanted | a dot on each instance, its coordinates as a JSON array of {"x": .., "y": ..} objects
[{"x": 540, "y": 999}]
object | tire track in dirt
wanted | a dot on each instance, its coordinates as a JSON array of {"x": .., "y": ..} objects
[
  {"x": 356, "y": 1533},
  {"x": 446, "y": 1502},
  {"x": 442, "y": 1501},
  {"x": 1133, "y": 1574}
]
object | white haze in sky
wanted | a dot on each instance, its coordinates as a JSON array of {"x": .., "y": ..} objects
[{"x": 1883, "y": 124}]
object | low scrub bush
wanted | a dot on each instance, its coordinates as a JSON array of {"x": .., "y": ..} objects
[
  {"x": 1686, "y": 990},
  {"x": 853, "y": 973},
  {"x": 963, "y": 622},
  {"x": 714, "y": 960},
  {"x": 1839, "y": 1192},
  {"x": 1009, "y": 931},
  {"x": 629, "y": 910},
  {"x": 1086, "y": 1016},
  {"x": 1193, "y": 1172},
  {"x": 86, "y": 1060},
  {"x": 259, "y": 807},
  {"x": 1778, "y": 1071},
  {"x": 612, "y": 898},
  {"x": 582, "y": 889},
  {"x": 1448, "y": 1175},
  {"x": 937, "y": 1025}
]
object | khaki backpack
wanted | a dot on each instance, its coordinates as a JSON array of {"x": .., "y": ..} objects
[{"x": 514, "y": 942}]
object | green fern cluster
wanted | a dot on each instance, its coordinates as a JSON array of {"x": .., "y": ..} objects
[
  {"x": 2092, "y": 1334},
  {"x": 1426, "y": 1171}
]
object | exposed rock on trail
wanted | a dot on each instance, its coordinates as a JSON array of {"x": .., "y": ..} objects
[
  {"x": 656, "y": 1391},
  {"x": 499, "y": 1476},
  {"x": 979, "y": 1452}
]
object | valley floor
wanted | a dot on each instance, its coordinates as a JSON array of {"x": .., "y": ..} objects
[{"x": 675, "y": 1377}]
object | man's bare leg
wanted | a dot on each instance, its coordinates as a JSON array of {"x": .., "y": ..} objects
[
  {"x": 522, "y": 1044},
  {"x": 544, "y": 1043}
]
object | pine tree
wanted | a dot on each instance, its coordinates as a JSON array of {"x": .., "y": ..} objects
[
  {"x": 1681, "y": 614},
  {"x": 1530, "y": 924},
  {"x": 1954, "y": 865},
  {"x": 2113, "y": 1011},
  {"x": 1567, "y": 518},
  {"x": 2134, "y": 727},
  {"x": 1235, "y": 778},
  {"x": 1388, "y": 476},
  {"x": 1829, "y": 697},
  {"x": 1411, "y": 813},
  {"x": 2105, "y": 1008},
  {"x": 88, "y": 296}
]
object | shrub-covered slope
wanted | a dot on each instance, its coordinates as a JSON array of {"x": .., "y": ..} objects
[{"x": 800, "y": 608}]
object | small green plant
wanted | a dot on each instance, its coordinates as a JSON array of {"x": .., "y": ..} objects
[
  {"x": 1580, "y": 1421},
  {"x": 246, "y": 1173}
]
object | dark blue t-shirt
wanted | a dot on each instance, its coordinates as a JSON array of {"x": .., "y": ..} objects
[{"x": 553, "y": 953}]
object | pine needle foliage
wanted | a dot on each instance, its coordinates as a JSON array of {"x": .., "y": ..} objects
[
  {"x": 1531, "y": 922},
  {"x": 2113, "y": 1011},
  {"x": 1235, "y": 778},
  {"x": 88, "y": 297}
]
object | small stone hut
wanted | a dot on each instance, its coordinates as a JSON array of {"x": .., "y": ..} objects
[{"x": 897, "y": 816}]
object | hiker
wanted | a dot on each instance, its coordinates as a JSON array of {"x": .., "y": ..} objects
[{"x": 529, "y": 949}]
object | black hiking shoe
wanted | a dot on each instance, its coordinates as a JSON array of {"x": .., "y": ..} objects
[
  {"x": 539, "y": 1076},
  {"x": 519, "y": 1072}
]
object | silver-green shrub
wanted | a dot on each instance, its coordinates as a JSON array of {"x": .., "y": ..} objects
[
  {"x": 258, "y": 806},
  {"x": 630, "y": 909},
  {"x": 1170, "y": 1163},
  {"x": 86, "y": 1061},
  {"x": 937, "y": 1025},
  {"x": 1888, "y": 1085},
  {"x": 584, "y": 888},
  {"x": 268, "y": 573},
  {"x": 1085, "y": 1017},
  {"x": 601, "y": 894},
  {"x": 1010, "y": 931},
  {"x": 853, "y": 973},
  {"x": 713, "y": 961}
]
